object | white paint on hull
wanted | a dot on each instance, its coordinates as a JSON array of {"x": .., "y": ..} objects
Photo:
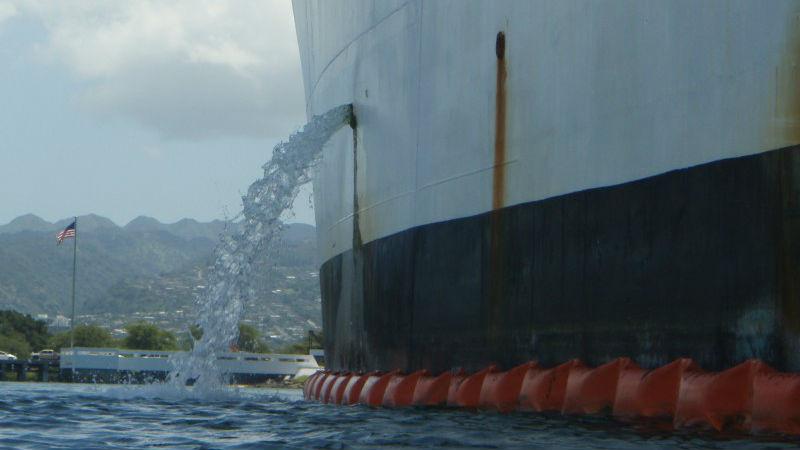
[{"x": 599, "y": 93}]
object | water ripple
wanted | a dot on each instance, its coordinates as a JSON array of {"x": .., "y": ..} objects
[{"x": 34, "y": 416}]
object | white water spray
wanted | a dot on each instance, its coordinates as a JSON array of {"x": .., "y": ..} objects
[{"x": 220, "y": 307}]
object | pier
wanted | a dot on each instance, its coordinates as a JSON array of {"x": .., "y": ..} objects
[
  {"x": 111, "y": 365},
  {"x": 42, "y": 368}
]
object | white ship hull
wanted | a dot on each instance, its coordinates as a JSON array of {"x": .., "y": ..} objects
[{"x": 458, "y": 146}]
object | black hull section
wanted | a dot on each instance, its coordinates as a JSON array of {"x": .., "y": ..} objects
[{"x": 702, "y": 262}]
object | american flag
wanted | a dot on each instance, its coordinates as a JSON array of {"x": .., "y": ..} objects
[{"x": 68, "y": 232}]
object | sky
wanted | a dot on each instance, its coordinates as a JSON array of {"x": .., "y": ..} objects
[{"x": 160, "y": 108}]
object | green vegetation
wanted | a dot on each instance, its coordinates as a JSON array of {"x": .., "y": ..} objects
[
  {"x": 297, "y": 348},
  {"x": 155, "y": 270},
  {"x": 15, "y": 346},
  {"x": 21, "y": 333},
  {"x": 146, "y": 336},
  {"x": 195, "y": 331},
  {"x": 37, "y": 274},
  {"x": 250, "y": 340},
  {"x": 145, "y": 266},
  {"x": 85, "y": 336},
  {"x": 187, "y": 338}
]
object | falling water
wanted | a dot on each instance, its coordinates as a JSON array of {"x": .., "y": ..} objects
[{"x": 220, "y": 307}]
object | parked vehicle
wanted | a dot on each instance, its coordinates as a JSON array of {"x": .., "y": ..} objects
[
  {"x": 5, "y": 356},
  {"x": 45, "y": 355}
]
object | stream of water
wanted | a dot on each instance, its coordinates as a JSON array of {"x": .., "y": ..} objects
[{"x": 220, "y": 307}]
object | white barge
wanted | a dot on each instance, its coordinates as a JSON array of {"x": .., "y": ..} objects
[{"x": 115, "y": 365}]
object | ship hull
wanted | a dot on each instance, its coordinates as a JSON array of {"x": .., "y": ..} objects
[
  {"x": 698, "y": 263},
  {"x": 547, "y": 180}
]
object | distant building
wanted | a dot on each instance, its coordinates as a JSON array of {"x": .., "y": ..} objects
[
  {"x": 118, "y": 333},
  {"x": 59, "y": 322}
]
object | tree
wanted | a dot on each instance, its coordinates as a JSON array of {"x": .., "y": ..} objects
[
  {"x": 15, "y": 345},
  {"x": 23, "y": 327},
  {"x": 85, "y": 336},
  {"x": 195, "y": 331},
  {"x": 146, "y": 336},
  {"x": 250, "y": 340},
  {"x": 187, "y": 338}
]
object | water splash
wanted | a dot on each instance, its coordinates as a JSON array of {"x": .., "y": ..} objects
[{"x": 220, "y": 307}]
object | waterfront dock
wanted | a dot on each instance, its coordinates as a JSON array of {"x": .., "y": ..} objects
[
  {"x": 44, "y": 369},
  {"x": 112, "y": 365}
]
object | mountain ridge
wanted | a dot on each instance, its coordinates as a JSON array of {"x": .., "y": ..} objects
[
  {"x": 187, "y": 228},
  {"x": 149, "y": 266}
]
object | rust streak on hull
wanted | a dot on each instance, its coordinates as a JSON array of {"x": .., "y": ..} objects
[
  {"x": 496, "y": 302},
  {"x": 499, "y": 176}
]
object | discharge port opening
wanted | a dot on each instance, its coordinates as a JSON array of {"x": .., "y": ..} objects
[{"x": 500, "y": 45}]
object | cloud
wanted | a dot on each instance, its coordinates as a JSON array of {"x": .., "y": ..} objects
[
  {"x": 188, "y": 69},
  {"x": 7, "y": 11}
]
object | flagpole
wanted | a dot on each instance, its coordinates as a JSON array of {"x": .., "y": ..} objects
[{"x": 74, "y": 270}]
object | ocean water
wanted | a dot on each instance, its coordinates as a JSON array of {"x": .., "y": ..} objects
[{"x": 64, "y": 416}]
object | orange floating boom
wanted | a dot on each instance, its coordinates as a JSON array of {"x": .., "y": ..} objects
[{"x": 749, "y": 397}]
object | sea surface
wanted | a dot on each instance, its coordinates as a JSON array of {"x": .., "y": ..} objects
[{"x": 65, "y": 416}]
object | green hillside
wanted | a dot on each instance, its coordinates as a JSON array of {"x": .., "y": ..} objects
[
  {"x": 37, "y": 274},
  {"x": 148, "y": 267}
]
